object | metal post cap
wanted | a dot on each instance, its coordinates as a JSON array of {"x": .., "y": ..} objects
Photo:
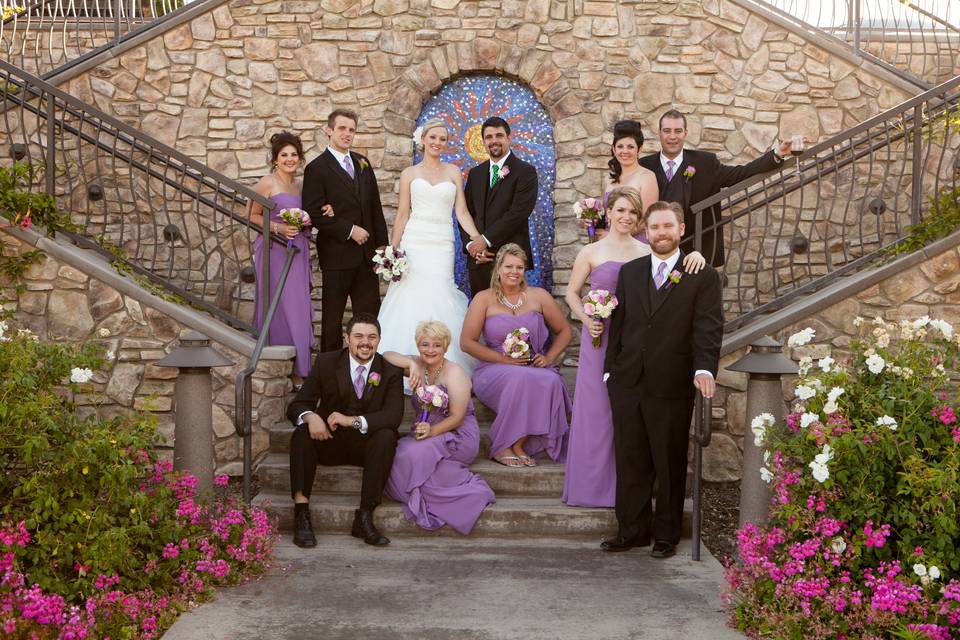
[
  {"x": 194, "y": 352},
  {"x": 765, "y": 356}
]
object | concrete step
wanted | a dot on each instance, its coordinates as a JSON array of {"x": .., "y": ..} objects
[
  {"x": 544, "y": 480},
  {"x": 510, "y": 516}
]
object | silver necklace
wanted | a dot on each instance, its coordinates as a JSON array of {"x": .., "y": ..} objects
[{"x": 510, "y": 305}]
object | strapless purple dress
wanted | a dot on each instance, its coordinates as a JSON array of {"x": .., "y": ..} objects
[
  {"x": 529, "y": 401},
  {"x": 590, "y": 479},
  {"x": 293, "y": 320},
  {"x": 432, "y": 479}
]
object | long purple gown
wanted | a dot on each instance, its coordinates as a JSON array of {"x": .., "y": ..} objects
[
  {"x": 293, "y": 321},
  {"x": 529, "y": 401},
  {"x": 432, "y": 479},
  {"x": 590, "y": 478}
]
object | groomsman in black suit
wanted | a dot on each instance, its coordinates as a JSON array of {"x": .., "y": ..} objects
[
  {"x": 501, "y": 194},
  {"x": 347, "y": 240},
  {"x": 686, "y": 176},
  {"x": 347, "y": 412},
  {"x": 665, "y": 338}
]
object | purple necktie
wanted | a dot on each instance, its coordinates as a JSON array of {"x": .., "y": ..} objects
[
  {"x": 348, "y": 166},
  {"x": 360, "y": 380},
  {"x": 670, "y": 164},
  {"x": 659, "y": 278}
]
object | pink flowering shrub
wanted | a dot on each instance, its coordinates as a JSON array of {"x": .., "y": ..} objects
[
  {"x": 98, "y": 538},
  {"x": 863, "y": 539}
]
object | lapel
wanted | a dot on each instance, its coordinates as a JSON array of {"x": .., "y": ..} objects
[
  {"x": 480, "y": 192},
  {"x": 344, "y": 384},
  {"x": 669, "y": 286},
  {"x": 340, "y": 172},
  {"x": 376, "y": 366},
  {"x": 491, "y": 191},
  {"x": 645, "y": 278},
  {"x": 658, "y": 171},
  {"x": 686, "y": 181}
]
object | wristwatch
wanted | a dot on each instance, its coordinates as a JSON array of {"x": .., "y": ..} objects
[{"x": 358, "y": 424}]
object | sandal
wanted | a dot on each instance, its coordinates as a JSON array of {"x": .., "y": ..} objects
[
  {"x": 509, "y": 461},
  {"x": 527, "y": 461}
]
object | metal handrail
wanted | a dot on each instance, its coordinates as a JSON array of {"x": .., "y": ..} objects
[
  {"x": 886, "y": 33},
  {"x": 702, "y": 434},
  {"x": 889, "y": 164}
]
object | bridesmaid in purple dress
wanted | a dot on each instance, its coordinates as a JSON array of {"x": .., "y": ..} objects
[
  {"x": 590, "y": 478},
  {"x": 430, "y": 474},
  {"x": 293, "y": 321},
  {"x": 527, "y": 393}
]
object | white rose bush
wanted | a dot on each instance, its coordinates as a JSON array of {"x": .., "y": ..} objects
[{"x": 863, "y": 536}]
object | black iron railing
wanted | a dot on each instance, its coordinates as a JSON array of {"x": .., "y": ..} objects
[
  {"x": 836, "y": 208},
  {"x": 702, "y": 434},
  {"x": 49, "y": 36},
  {"x": 916, "y": 39},
  {"x": 180, "y": 227}
]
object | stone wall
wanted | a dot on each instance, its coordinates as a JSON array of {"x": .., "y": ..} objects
[
  {"x": 61, "y": 303},
  {"x": 217, "y": 87},
  {"x": 930, "y": 288}
]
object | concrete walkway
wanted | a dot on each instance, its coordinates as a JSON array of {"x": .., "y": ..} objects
[{"x": 468, "y": 589}]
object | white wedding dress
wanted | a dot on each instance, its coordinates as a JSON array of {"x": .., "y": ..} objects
[{"x": 427, "y": 290}]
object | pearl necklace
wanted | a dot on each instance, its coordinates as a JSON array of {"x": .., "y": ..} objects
[
  {"x": 426, "y": 373},
  {"x": 509, "y": 305}
]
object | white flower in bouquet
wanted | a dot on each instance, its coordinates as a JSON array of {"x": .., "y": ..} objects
[
  {"x": 80, "y": 375},
  {"x": 759, "y": 426},
  {"x": 875, "y": 364},
  {"x": 801, "y": 338},
  {"x": 390, "y": 263},
  {"x": 888, "y": 422}
]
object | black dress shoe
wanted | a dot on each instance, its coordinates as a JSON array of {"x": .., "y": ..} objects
[
  {"x": 303, "y": 529},
  {"x": 663, "y": 549},
  {"x": 619, "y": 543},
  {"x": 364, "y": 528}
]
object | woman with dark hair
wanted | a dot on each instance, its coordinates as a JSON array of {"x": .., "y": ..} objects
[
  {"x": 519, "y": 380},
  {"x": 293, "y": 321}
]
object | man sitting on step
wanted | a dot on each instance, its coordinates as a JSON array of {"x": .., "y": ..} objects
[{"x": 347, "y": 412}]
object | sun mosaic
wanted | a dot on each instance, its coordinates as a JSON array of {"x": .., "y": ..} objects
[{"x": 464, "y": 104}]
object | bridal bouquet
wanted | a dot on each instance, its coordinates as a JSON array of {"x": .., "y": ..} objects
[
  {"x": 391, "y": 263},
  {"x": 599, "y": 305},
  {"x": 296, "y": 218},
  {"x": 516, "y": 343},
  {"x": 432, "y": 398},
  {"x": 590, "y": 211}
]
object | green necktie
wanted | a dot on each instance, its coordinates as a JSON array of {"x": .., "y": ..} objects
[{"x": 496, "y": 175}]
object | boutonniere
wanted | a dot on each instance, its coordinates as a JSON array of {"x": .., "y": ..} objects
[
  {"x": 364, "y": 164},
  {"x": 675, "y": 276},
  {"x": 504, "y": 172},
  {"x": 373, "y": 379},
  {"x": 689, "y": 172}
]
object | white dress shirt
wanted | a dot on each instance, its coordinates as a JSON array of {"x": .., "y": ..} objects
[
  {"x": 354, "y": 365},
  {"x": 340, "y": 157},
  {"x": 676, "y": 163},
  {"x": 671, "y": 265}
]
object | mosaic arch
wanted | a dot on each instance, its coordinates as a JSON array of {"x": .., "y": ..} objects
[{"x": 465, "y": 104}]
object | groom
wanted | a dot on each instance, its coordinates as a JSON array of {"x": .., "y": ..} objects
[
  {"x": 665, "y": 338},
  {"x": 501, "y": 194},
  {"x": 347, "y": 240},
  {"x": 347, "y": 412}
]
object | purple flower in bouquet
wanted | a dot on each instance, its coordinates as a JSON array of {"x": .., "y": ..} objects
[
  {"x": 599, "y": 305},
  {"x": 296, "y": 218},
  {"x": 391, "y": 263},
  {"x": 432, "y": 398},
  {"x": 516, "y": 344},
  {"x": 590, "y": 210}
]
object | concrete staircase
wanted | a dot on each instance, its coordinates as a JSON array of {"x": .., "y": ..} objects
[{"x": 528, "y": 499}]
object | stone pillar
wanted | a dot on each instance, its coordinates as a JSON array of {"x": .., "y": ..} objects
[
  {"x": 766, "y": 364},
  {"x": 193, "y": 408}
]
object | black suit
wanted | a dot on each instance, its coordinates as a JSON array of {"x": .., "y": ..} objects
[
  {"x": 709, "y": 179},
  {"x": 328, "y": 388},
  {"x": 500, "y": 213},
  {"x": 658, "y": 340},
  {"x": 347, "y": 267}
]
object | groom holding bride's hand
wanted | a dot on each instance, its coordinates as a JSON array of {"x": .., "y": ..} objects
[{"x": 501, "y": 194}]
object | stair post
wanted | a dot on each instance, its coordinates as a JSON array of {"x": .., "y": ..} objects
[
  {"x": 766, "y": 365},
  {"x": 193, "y": 406}
]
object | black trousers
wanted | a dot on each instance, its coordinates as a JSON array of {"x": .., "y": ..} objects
[
  {"x": 480, "y": 278},
  {"x": 363, "y": 289},
  {"x": 650, "y": 439},
  {"x": 373, "y": 452}
]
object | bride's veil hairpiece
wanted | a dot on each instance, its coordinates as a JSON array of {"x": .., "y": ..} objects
[{"x": 431, "y": 123}]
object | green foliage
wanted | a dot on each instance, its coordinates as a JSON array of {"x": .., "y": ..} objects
[
  {"x": 17, "y": 200},
  {"x": 941, "y": 220}
]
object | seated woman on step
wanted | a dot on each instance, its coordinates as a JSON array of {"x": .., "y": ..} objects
[{"x": 430, "y": 474}]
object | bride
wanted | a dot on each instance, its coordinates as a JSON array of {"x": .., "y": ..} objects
[{"x": 422, "y": 228}]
